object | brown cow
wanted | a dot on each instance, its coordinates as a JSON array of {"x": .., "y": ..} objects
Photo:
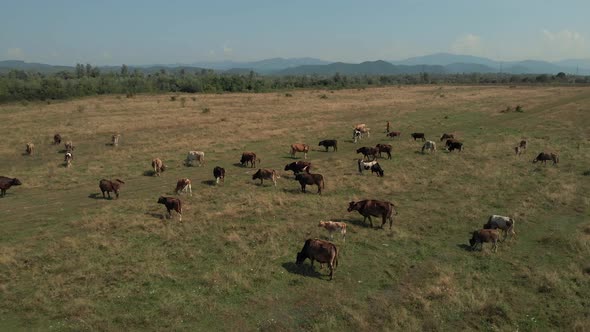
[
  {"x": 299, "y": 147},
  {"x": 484, "y": 235},
  {"x": 547, "y": 156},
  {"x": 172, "y": 203},
  {"x": 108, "y": 186},
  {"x": 298, "y": 166},
  {"x": 249, "y": 157},
  {"x": 394, "y": 134},
  {"x": 266, "y": 174},
  {"x": 183, "y": 185},
  {"x": 384, "y": 148},
  {"x": 30, "y": 147},
  {"x": 56, "y": 139},
  {"x": 368, "y": 151},
  {"x": 310, "y": 179},
  {"x": 446, "y": 136},
  {"x": 372, "y": 207},
  {"x": 334, "y": 226},
  {"x": 321, "y": 251},
  {"x": 6, "y": 183},
  {"x": 158, "y": 166}
]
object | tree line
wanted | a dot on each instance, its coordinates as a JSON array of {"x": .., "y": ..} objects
[{"x": 86, "y": 80}]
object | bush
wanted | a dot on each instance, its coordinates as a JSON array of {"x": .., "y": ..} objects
[
  {"x": 194, "y": 98},
  {"x": 323, "y": 96},
  {"x": 288, "y": 95},
  {"x": 130, "y": 95},
  {"x": 182, "y": 101},
  {"x": 518, "y": 109},
  {"x": 81, "y": 108},
  {"x": 172, "y": 98},
  {"x": 205, "y": 110}
]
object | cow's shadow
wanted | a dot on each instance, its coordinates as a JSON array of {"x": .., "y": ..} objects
[
  {"x": 150, "y": 172},
  {"x": 62, "y": 151},
  {"x": 239, "y": 165},
  {"x": 97, "y": 196},
  {"x": 361, "y": 223},
  {"x": 303, "y": 270},
  {"x": 464, "y": 247},
  {"x": 209, "y": 182},
  {"x": 154, "y": 215},
  {"x": 293, "y": 190}
]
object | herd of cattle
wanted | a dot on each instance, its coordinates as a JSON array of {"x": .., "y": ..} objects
[{"x": 314, "y": 249}]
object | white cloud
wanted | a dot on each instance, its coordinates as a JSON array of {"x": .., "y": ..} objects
[
  {"x": 469, "y": 44},
  {"x": 564, "y": 44},
  {"x": 227, "y": 50},
  {"x": 15, "y": 53}
]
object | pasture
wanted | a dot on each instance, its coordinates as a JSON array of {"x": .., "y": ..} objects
[{"x": 70, "y": 260}]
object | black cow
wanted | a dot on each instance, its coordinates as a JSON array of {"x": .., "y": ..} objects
[
  {"x": 298, "y": 166},
  {"x": 543, "y": 157},
  {"x": 6, "y": 183},
  {"x": 455, "y": 146},
  {"x": 219, "y": 173},
  {"x": 310, "y": 179},
  {"x": 418, "y": 135},
  {"x": 329, "y": 142}
]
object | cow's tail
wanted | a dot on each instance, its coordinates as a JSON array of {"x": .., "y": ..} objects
[
  {"x": 258, "y": 159},
  {"x": 359, "y": 162},
  {"x": 335, "y": 257},
  {"x": 322, "y": 183},
  {"x": 393, "y": 208},
  {"x": 180, "y": 206}
]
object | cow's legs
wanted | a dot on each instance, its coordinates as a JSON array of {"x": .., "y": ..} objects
[
  {"x": 216, "y": 180},
  {"x": 303, "y": 187}
]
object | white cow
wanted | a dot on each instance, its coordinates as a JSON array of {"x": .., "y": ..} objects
[
  {"x": 430, "y": 146},
  {"x": 334, "y": 226},
  {"x": 506, "y": 224},
  {"x": 193, "y": 156}
]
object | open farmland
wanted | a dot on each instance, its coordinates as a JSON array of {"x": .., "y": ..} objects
[{"x": 70, "y": 260}]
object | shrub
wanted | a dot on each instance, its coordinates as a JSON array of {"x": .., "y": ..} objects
[
  {"x": 182, "y": 101},
  {"x": 518, "y": 109},
  {"x": 323, "y": 96},
  {"x": 130, "y": 95},
  {"x": 194, "y": 98},
  {"x": 81, "y": 108},
  {"x": 205, "y": 110},
  {"x": 288, "y": 95},
  {"x": 172, "y": 98}
]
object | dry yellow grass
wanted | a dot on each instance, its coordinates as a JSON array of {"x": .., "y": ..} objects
[{"x": 70, "y": 260}]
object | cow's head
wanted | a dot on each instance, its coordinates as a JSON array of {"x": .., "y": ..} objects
[
  {"x": 352, "y": 206},
  {"x": 473, "y": 239},
  {"x": 162, "y": 200},
  {"x": 321, "y": 224},
  {"x": 289, "y": 167},
  {"x": 300, "y": 258},
  {"x": 16, "y": 182},
  {"x": 257, "y": 175},
  {"x": 321, "y": 143}
]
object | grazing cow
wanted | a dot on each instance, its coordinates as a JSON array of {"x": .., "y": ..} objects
[
  {"x": 158, "y": 166},
  {"x": 299, "y": 147},
  {"x": 30, "y": 148},
  {"x": 6, "y": 183},
  {"x": 455, "y": 146},
  {"x": 329, "y": 142},
  {"x": 108, "y": 186},
  {"x": 384, "y": 148},
  {"x": 521, "y": 147},
  {"x": 298, "y": 166},
  {"x": 172, "y": 203},
  {"x": 56, "y": 139},
  {"x": 359, "y": 132},
  {"x": 68, "y": 157},
  {"x": 193, "y": 156},
  {"x": 446, "y": 136},
  {"x": 450, "y": 141},
  {"x": 356, "y": 135},
  {"x": 266, "y": 174},
  {"x": 334, "y": 226},
  {"x": 368, "y": 151},
  {"x": 415, "y": 136},
  {"x": 249, "y": 157},
  {"x": 523, "y": 144},
  {"x": 360, "y": 126},
  {"x": 69, "y": 146},
  {"x": 115, "y": 139},
  {"x": 219, "y": 173},
  {"x": 372, "y": 207},
  {"x": 372, "y": 165},
  {"x": 183, "y": 185},
  {"x": 321, "y": 251},
  {"x": 547, "y": 156},
  {"x": 484, "y": 235},
  {"x": 394, "y": 134},
  {"x": 506, "y": 224},
  {"x": 430, "y": 146},
  {"x": 310, "y": 179}
]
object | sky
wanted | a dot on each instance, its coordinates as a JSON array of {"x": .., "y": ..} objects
[{"x": 108, "y": 32}]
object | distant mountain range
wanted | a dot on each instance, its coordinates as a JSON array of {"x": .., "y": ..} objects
[{"x": 440, "y": 63}]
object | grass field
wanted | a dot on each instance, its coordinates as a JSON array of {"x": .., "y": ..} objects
[{"x": 70, "y": 260}]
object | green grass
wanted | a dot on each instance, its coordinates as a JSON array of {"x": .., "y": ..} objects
[{"x": 69, "y": 261}]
